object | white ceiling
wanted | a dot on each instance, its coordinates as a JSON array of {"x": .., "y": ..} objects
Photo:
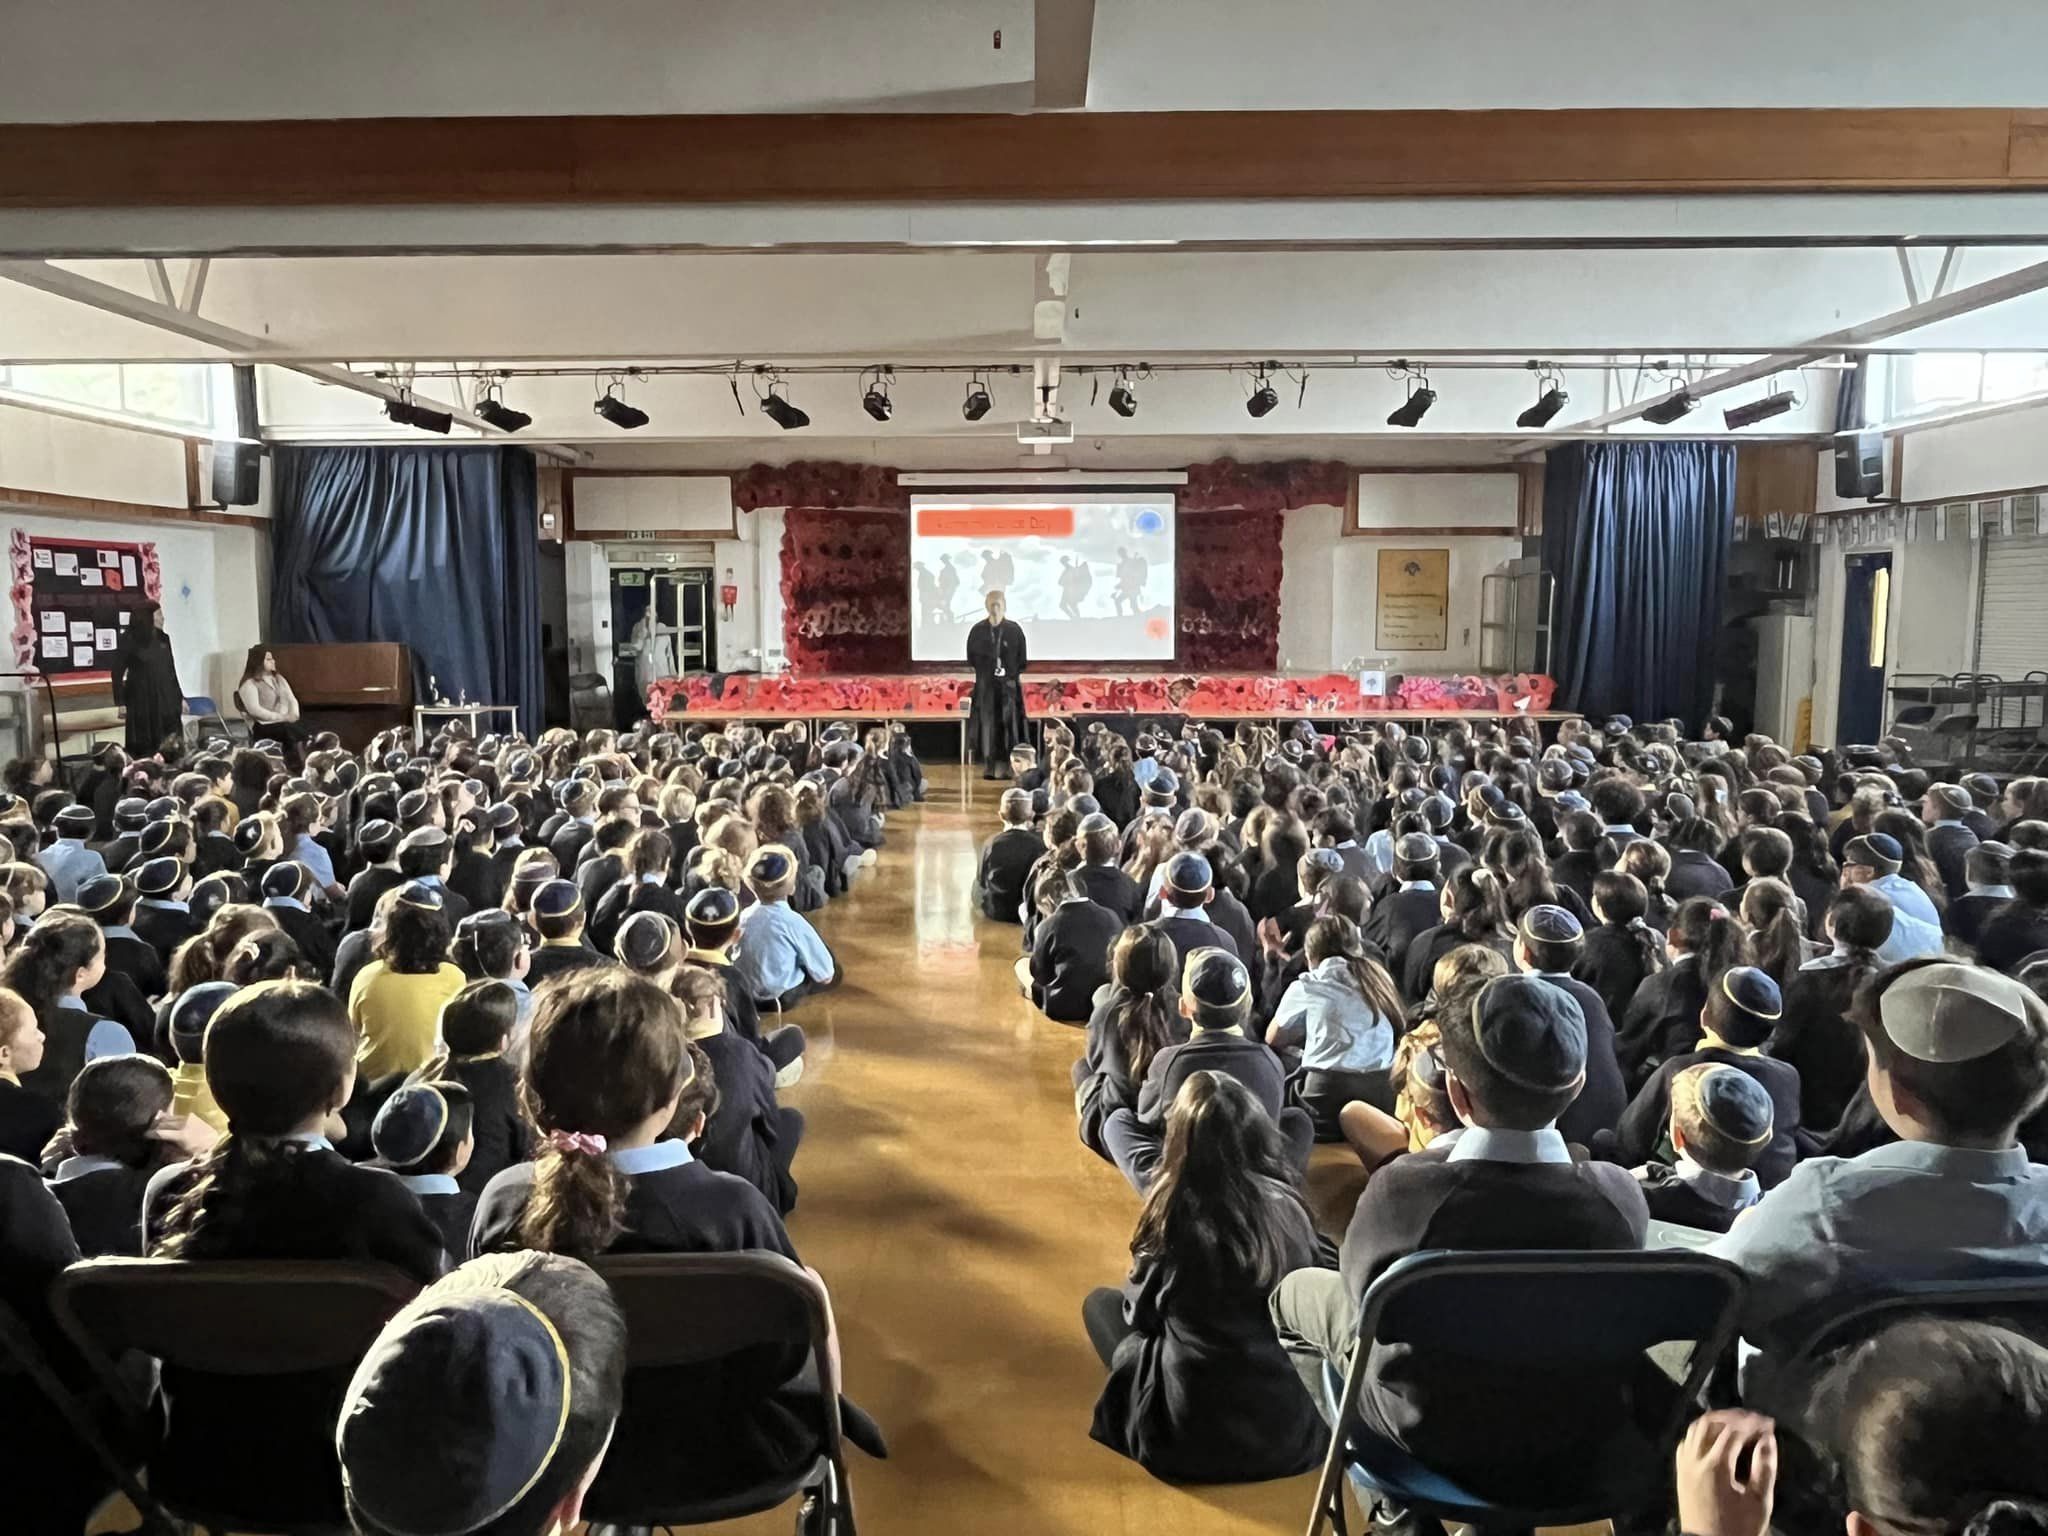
[{"x": 140, "y": 60}]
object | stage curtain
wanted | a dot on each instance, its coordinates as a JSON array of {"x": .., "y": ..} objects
[
  {"x": 436, "y": 548},
  {"x": 1227, "y": 591},
  {"x": 846, "y": 590},
  {"x": 1635, "y": 535}
]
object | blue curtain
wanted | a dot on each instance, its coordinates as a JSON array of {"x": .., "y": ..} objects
[
  {"x": 1635, "y": 534},
  {"x": 436, "y": 548}
]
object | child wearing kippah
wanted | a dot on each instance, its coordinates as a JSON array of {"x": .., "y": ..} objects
[
  {"x": 1742, "y": 1009},
  {"x": 1006, "y": 861},
  {"x": 781, "y": 959},
  {"x": 747, "y": 1133},
  {"x": 426, "y": 1133},
  {"x": 1720, "y": 1126}
]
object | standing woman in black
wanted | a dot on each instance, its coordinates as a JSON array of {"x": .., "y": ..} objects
[
  {"x": 995, "y": 649},
  {"x": 145, "y": 682}
]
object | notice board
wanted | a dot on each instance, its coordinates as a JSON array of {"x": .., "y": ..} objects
[
  {"x": 72, "y": 600},
  {"x": 1414, "y": 600}
]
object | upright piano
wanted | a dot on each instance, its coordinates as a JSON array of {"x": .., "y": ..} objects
[{"x": 353, "y": 690}]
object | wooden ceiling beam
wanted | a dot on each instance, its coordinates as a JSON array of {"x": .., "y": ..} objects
[{"x": 1066, "y": 156}]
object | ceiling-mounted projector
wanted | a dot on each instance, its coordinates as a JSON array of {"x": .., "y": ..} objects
[{"x": 1053, "y": 431}]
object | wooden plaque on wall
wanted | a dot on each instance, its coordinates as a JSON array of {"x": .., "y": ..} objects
[{"x": 1413, "y": 607}]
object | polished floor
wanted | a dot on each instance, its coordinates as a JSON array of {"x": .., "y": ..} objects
[{"x": 959, "y": 1221}]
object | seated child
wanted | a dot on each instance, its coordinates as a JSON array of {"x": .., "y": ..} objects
[
  {"x": 748, "y": 1133},
  {"x": 1025, "y": 769},
  {"x": 1138, "y": 1018},
  {"x": 1959, "y": 1057},
  {"x": 1515, "y": 1061},
  {"x": 190, "y": 1015},
  {"x": 1199, "y": 1389},
  {"x": 1741, "y": 1011},
  {"x": 1423, "y": 1116},
  {"x": 486, "y": 1404},
  {"x": 425, "y": 1134},
  {"x": 607, "y": 1075},
  {"x": 118, "y": 1131},
  {"x": 1069, "y": 959},
  {"x": 712, "y": 921},
  {"x": 1006, "y": 861},
  {"x": 1985, "y": 870},
  {"x": 27, "y": 1119},
  {"x": 781, "y": 959},
  {"x": 491, "y": 946},
  {"x": 1216, "y": 1000},
  {"x": 1339, "y": 1021},
  {"x": 1720, "y": 1126},
  {"x": 110, "y": 902},
  {"x": 476, "y": 1027},
  {"x": 558, "y": 917},
  {"x": 281, "y": 1060}
]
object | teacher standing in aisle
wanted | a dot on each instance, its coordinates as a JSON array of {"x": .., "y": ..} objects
[
  {"x": 144, "y": 675},
  {"x": 995, "y": 722}
]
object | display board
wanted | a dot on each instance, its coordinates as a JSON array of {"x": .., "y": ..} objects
[
  {"x": 1414, "y": 600},
  {"x": 72, "y": 600},
  {"x": 1090, "y": 577}
]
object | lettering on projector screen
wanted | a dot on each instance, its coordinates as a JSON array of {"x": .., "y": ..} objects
[{"x": 1089, "y": 577}]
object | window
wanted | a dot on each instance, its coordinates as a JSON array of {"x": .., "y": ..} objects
[
  {"x": 189, "y": 395},
  {"x": 1929, "y": 383}
]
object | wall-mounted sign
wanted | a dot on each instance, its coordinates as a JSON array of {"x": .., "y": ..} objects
[{"x": 1414, "y": 600}]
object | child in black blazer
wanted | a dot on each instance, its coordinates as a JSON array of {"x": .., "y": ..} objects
[
  {"x": 1720, "y": 1125},
  {"x": 476, "y": 1027},
  {"x": 425, "y": 1133},
  {"x": 28, "y": 1119},
  {"x": 118, "y": 1132},
  {"x": 1006, "y": 861},
  {"x": 747, "y": 1133}
]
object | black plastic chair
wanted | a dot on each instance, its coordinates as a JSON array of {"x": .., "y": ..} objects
[
  {"x": 232, "y": 1322},
  {"x": 1524, "y": 1312},
  {"x": 687, "y": 1309},
  {"x": 21, "y": 1355}
]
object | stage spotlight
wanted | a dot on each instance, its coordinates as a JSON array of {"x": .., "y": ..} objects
[
  {"x": 617, "y": 412},
  {"x": 978, "y": 402},
  {"x": 1262, "y": 399},
  {"x": 1123, "y": 399},
  {"x": 1740, "y": 416},
  {"x": 406, "y": 413},
  {"x": 1409, "y": 412},
  {"x": 875, "y": 402},
  {"x": 786, "y": 416},
  {"x": 1665, "y": 412},
  {"x": 1547, "y": 405},
  {"x": 500, "y": 415}
]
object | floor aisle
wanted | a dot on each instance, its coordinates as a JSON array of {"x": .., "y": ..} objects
[{"x": 959, "y": 1222}]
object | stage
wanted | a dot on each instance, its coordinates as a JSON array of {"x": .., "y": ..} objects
[{"x": 1223, "y": 698}]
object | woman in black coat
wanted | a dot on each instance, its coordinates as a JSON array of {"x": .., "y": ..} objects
[
  {"x": 995, "y": 720},
  {"x": 145, "y": 682}
]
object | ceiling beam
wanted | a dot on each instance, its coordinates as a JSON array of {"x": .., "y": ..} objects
[
  {"x": 1069, "y": 156},
  {"x": 1959, "y": 301},
  {"x": 63, "y": 284}
]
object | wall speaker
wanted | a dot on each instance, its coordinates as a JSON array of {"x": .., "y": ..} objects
[
  {"x": 238, "y": 467},
  {"x": 1859, "y": 453}
]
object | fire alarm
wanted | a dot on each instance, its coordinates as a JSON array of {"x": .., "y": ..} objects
[{"x": 728, "y": 594}]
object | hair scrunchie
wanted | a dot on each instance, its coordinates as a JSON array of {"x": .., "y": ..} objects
[{"x": 576, "y": 1141}]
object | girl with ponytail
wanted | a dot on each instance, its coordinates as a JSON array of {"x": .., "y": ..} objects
[
  {"x": 1621, "y": 948},
  {"x": 1650, "y": 863},
  {"x": 1137, "y": 1019},
  {"x": 606, "y": 1068},
  {"x": 1342, "y": 1016},
  {"x": 1663, "y": 1019},
  {"x": 280, "y": 1060},
  {"x": 1777, "y": 929}
]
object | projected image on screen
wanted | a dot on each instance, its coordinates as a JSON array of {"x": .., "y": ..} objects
[{"x": 1089, "y": 577}]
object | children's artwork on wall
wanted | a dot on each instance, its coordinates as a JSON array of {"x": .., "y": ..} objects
[{"x": 72, "y": 600}]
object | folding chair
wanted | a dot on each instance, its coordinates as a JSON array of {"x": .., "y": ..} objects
[
  {"x": 21, "y": 1355},
  {"x": 2018, "y": 1301},
  {"x": 689, "y": 1309},
  {"x": 1524, "y": 1313},
  {"x": 199, "y": 709},
  {"x": 238, "y": 1328}
]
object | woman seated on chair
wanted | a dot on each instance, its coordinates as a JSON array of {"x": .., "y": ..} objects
[{"x": 269, "y": 703}]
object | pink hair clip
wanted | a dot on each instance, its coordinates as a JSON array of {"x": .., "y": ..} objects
[{"x": 576, "y": 1141}]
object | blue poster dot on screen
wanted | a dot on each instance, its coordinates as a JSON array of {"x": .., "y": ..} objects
[{"x": 1149, "y": 521}]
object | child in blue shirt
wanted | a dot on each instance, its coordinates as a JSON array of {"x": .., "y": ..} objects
[{"x": 780, "y": 959}]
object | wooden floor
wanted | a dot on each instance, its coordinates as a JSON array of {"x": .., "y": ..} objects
[{"x": 959, "y": 1221}]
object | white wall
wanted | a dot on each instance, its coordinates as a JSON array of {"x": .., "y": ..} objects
[
  {"x": 55, "y": 454},
  {"x": 1329, "y": 588}
]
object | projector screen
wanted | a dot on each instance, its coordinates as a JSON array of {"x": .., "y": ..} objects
[{"x": 1090, "y": 577}]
